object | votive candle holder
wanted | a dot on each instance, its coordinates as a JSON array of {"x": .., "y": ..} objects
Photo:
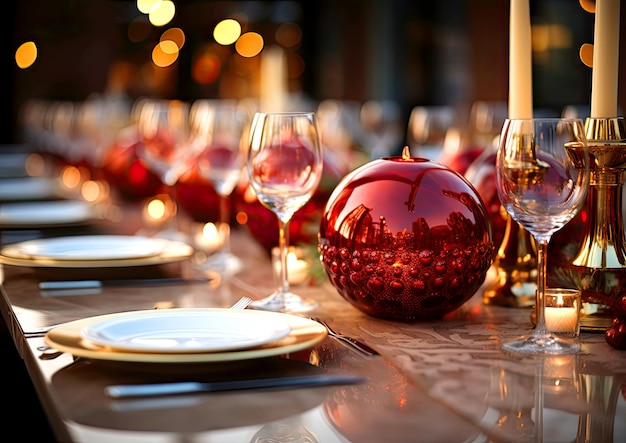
[{"x": 562, "y": 311}]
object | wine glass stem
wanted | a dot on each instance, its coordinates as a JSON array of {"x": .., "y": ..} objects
[
  {"x": 171, "y": 222},
  {"x": 542, "y": 253},
  {"x": 283, "y": 245},
  {"x": 224, "y": 228}
]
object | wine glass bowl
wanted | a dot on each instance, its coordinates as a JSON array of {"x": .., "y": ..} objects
[
  {"x": 542, "y": 178},
  {"x": 285, "y": 167},
  {"x": 217, "y": 128},
  {"x": 163, "y": 129}
]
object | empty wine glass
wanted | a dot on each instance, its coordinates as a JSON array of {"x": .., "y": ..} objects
[
  {"x": 217, "y": 127},
  {"x": 163, "y": 134},
  {"x": 426, "y": 130},
  {"x": 542, "y": 178},
  {"x": 285, "y": 167}
]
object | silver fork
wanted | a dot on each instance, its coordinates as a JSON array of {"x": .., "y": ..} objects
[
  {"x": 242, "y": 303},
  {"x": 351, "y": 342}
]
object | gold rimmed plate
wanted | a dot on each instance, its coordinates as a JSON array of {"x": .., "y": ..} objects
[
  {"x": 83, "y": 252},
  {"x": 304, "y": 333}
]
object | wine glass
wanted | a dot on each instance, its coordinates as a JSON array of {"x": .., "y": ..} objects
[
  {"x": 217, "y": 128},
  {"x": 381, "y": 127},
  {"x": 285, "y": 167},
  {"x": 426, "y": 130},
  {"x": 542, "y": 178},
  {"x": 163, "y": 129}
]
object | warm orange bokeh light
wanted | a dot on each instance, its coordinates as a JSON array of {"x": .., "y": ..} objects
[
  {"x": 165, "y": 53},
  {"x": 26, "y": 55},
  {"x": 249, "y": 44},
  {"x": 206, "y": 69},
  {"x": 175, "y": 35}
]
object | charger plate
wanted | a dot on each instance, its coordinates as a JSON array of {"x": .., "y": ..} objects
[
  {"x": 304, "y": 333},
  {"x": 165, "y": 251},
  {"x": 87, "y": 247}
]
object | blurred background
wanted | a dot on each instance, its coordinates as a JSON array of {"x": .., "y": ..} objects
[{"x": 412, "y": 52}]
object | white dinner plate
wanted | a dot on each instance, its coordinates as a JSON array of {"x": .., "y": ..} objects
[
  {"x": 174, "y": 331},
  {"x": 86, "y": 247},
  {"x": 29, "y": 188},
  {"x": 13, "y": 165},
  {"x": 304, "y": 334},
  {"x": 45, "y": 213}
]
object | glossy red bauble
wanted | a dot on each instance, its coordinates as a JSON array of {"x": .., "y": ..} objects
[
  {"x": 616, "y": 334},
  {"x": 406, "y": 238},
  {"x": 126, "y": 173},
  {"x": 197, "y": 196}
]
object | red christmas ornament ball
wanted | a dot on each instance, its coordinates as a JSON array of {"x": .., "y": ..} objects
[{"x": 406, "y": 238}]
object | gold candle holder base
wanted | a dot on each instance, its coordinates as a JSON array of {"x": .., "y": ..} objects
[
  {"x": 516, "y": 269},
  {"x": 591, "y": 251}
]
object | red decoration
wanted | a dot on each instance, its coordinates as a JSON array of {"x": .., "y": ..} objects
[
  {"x": 406, "y": 238},
  {"x": 126, "y": 173},
  {"x": 197, "y": 196},
  {"x": 616, "y": 334},
  {"x": 482, "y": 174}
]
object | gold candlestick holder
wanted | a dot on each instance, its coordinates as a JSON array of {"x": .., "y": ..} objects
[
  {"x": 516, "y": 269},
  {"x": 591, "y": 254},
  {"x": 516, "y": 261}
]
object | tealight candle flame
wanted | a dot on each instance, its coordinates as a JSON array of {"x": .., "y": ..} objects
[{"x": 406, "y": 153}]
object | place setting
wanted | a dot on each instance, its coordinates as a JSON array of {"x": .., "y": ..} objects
[
  {"x": 136, "y": 361},
  {"x": 185, "y": 335}
]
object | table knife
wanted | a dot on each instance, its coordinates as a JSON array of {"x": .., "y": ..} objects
[
  {"x": 91, "y": 284},
  {"x": 156, "y": 389}
]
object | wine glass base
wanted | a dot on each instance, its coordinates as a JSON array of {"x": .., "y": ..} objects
[
  {"x": 542, "y": 344},
  {"x": 284, "y": 302},
  {"x": 224, "y": 263}
]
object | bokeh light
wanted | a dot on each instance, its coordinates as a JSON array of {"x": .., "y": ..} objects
[
  {"x": 162, "y": 13},
  {"x": 227, "y": 32},
  {"x": 288, "y": 35},
  {"x": 206, "y": 68},
  {"x": 249, "y": 44},
  {"x": 165, "y": 53},
  {"x": 26, "y": 55},
  {"x": 145, "y": 6},
  {"x": 139, "y": 29},
  {"x": 175, "y": 35}
]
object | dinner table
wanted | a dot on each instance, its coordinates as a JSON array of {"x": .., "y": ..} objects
[{"x": 444, "y": 379}]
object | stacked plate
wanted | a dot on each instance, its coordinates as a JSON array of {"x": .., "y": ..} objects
[
  {"x": 92, "y": 251},
  {"x": 183, "y": 335},
  {"x": 49, "y": 213},
  {"x": 29, "y": 189}
]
